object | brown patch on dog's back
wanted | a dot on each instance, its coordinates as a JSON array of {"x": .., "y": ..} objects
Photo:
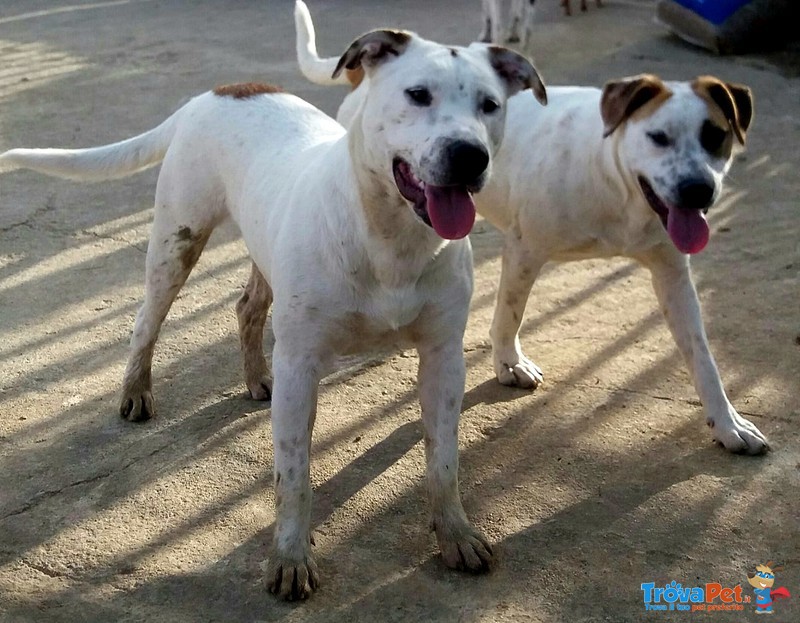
[{"x": 244, "y": 90}]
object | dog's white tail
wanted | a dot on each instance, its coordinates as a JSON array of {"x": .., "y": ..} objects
[
  {"x": 96, "y": 163},
  {"x": 316, "y": 69}
]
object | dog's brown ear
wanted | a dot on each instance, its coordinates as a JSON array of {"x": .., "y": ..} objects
[
  {"x": 622, "y": 98},
  {"x": 734, "y": 100},
  {"x": 373, "y": 48},
  {"x": 776, "y": 568},
  {"x": 517, "y": 72}
]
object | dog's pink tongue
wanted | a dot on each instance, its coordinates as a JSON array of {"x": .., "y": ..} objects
[
  {"x": 451, "y": 210},
  {"x": 688, "y": 229}
]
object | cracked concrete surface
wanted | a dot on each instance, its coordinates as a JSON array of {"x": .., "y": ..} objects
[{"x": 602, "y": 479}]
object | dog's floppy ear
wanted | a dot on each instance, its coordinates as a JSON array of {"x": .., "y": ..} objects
[
  {"x": 622, "y": 98},
  {"x": 517, "y": 72},
  {"x": 372, "y": 48},
  {"x": 734, "y": 100}
]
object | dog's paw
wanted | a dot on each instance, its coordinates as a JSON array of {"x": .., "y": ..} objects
[
  {"x": 737, "y": 434},
  {"x": 524, "y": 373},
  {"x": 137, "y": 406},
  {"x": 261, "y": 389},
  {"x": 465, "y": 549},
  {"x": 291, "y": 579}
]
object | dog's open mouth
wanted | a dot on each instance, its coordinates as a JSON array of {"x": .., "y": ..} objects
[
  {"x": 448, "y": 209},
  {"x": 688, "y": 229}
]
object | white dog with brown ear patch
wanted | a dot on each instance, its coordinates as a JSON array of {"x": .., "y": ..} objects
[
  {"x": 357, "y": 237},
  {"x": 628, "y": 170}
]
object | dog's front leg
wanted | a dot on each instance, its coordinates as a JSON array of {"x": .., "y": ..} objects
[
  {"x": 520, "y": 269},
  {"x": 441, "y": 390},
  {"x": 677, "y": 297},
  {"x": 291, "y": 571}
]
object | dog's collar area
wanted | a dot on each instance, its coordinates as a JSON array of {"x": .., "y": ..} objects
[
  {"x": 687, "y": 228},
  {"x": 449, "y": 210}
]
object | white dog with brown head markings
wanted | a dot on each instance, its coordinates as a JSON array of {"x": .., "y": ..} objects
[
  {"x": 357, "y": 240},
  {"x": 631, "y": 170}
]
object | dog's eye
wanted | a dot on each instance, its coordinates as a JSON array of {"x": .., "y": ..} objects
[
  {"x": 712, "y": 137},
  {"x": 489, "y": 106},
  {"x": 419, "y": 96},
  {"x": 659, "y": 138}
]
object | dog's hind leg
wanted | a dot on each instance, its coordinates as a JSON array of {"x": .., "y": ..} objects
[
  {"x": 520, "y": 269},
  {"x": 677, "y": 297},
  {"x": 180, "y": 232},
  {"x": 251, "y": 311}
]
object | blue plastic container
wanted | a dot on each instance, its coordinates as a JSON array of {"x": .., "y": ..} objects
[{"x": 714, "y": 11}]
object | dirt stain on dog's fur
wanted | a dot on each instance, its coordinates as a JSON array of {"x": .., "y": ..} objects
[{"x": 195, "y": 242}]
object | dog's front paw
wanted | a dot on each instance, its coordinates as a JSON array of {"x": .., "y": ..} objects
[
  {"x": 137, "y": 406},
  {"x": 464, "y": 548},
  {"x": 522, "y": 373},
  {"x": 737, "y": 434},
  {"x": 292, "y": 579}
]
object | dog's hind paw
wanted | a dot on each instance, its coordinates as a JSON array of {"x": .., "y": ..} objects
[
  {"x": 137, "y": 407},
  {"x": 525, "y": 374},
  {"x": 465, "y": 549},
  {"x": 261, "y": 389},
  {"x": 737, "y": 434},
  {"x": 292, "y": 580}
]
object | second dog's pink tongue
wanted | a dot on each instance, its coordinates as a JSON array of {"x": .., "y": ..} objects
[
  {"x": 688, "y": 229},
  {"x": 451, "y": 210}
]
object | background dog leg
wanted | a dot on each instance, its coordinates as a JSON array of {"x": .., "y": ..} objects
[
  {"x": 291, "y": 571},
  {"x": 486, "y": 21},
  {"x": 520, "y": 270},
  {"x": 172, "y": 252},
  {"x": 492, "y": 22},
  {"x": 516, "y": 18},
  {"x": 441, "y": 390},
  {"x": 251, "y": 311},
  {"x": 677, "y": 297}
]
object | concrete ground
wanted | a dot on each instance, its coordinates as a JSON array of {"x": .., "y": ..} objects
[{"x": 603, "y": 479}]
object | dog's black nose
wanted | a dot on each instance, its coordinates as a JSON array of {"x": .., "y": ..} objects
[
  {"x": 695, "y": 194},
  {"x": 467, "y": 161}
]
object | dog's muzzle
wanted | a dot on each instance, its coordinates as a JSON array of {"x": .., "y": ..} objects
[
  {"x": 448, "y": 208},
  {"x": 686, "y": 225},
  {"x": 467, "y": 162}
]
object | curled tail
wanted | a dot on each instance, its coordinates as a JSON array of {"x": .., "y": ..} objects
[
  {"x": 316, "y": 69},
  {"x": 96, "y": 163}
]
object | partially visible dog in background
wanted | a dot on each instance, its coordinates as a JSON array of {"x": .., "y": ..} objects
[
  {"x": 568, "y": 8},
  {"x": 520, "y": 17}
]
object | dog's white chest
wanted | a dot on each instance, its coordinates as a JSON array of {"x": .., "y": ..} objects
[{"x": 396, "y": 307}]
